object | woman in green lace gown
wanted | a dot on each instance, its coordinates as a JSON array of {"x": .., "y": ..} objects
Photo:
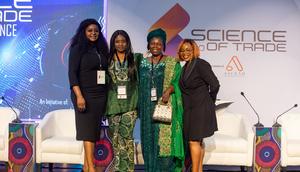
[{"x": 162, "y": 144}]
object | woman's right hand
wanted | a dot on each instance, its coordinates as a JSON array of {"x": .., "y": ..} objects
[{"x": 81, "y": 104}]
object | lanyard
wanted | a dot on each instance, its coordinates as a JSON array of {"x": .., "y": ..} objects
[
  {"x": 122, "y": 65},
  {"x": 99, "y": 56},
  {"x": 154, "y": 67}
]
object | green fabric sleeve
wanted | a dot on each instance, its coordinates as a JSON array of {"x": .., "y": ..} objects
[
  {"x": 177, "y": 149},
  {"x": 138, "y": 58}
]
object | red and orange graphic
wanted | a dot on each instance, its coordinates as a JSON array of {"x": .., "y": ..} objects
[{"x": 173, "y": 22}]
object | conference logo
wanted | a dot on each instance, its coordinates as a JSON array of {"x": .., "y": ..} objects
[
  {"x": 13, "y": 12},
  {"x": 246, "y": 40},
  {"x": 173, "y": 22},
  {"x": 234, "y": 68}
]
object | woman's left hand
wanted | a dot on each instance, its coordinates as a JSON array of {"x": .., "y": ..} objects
[{"x": 165, "y": 97}]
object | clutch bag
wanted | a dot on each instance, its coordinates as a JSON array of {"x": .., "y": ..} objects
[{"x": 162, "y": 112}]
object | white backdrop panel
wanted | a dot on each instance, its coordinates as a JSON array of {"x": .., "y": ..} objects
[{"x": 269, "y": 76}]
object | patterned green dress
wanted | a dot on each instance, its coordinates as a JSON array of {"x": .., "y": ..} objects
[
  {"x": 162, "y": 145},
  {"x": 122, "y": 116}
]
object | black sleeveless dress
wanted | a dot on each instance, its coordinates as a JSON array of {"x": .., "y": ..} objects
[{"x": 83, "y": 72}]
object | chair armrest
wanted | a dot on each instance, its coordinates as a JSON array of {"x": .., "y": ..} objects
[
  {"x": 46, "y": 127},
  {"x": 284, "y": 157},
  {"x": 44, "y": 130},
  {"x": 251, "y": 143},
  {"x": 247, "y": 132}
]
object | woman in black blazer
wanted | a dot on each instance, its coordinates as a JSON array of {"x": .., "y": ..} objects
[{"x": 199, "y": 87}]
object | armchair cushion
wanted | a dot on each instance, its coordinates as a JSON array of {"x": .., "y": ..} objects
[
  {"x": 293, "y": 148},
  {"x": 221, "y": 143},
  {"x": 62, "y": 145},
  {"x": 230, "y": 124},
  {"x": 290, "y": 122}
]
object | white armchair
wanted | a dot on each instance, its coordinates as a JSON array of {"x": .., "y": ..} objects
[
  {"x": 290, "y": 140},
  {"x": 6, "y": 116},
  {"x": 232, "y": 144},
  {"x": 56, "y": 139}
]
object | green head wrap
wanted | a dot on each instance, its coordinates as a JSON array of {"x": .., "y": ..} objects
[{"x": 160, "y": 33}]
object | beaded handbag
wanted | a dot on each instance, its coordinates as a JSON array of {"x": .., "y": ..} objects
[{"x": 162, "y": 112}]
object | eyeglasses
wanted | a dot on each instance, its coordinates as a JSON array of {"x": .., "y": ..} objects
[{"x": 186, "y": 50}]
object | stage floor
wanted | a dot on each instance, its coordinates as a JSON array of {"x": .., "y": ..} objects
[{"x": 77, "y": 168}]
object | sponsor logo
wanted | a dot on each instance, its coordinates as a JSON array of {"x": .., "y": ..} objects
[{"x": 234, "y": 68}]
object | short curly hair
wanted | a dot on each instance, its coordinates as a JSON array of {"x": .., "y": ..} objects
[{"x": 196, "y": 49}]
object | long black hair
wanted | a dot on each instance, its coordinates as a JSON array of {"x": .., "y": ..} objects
[
  {"x": 128, "y": 53},
  {"x": 82, "y": 41}
]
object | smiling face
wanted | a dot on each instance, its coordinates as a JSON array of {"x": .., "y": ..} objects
[
  {"x": 92, "y": 32},
  {"x": 156, "y": 46},
  {"x": 186, "y": 52},
  {"x": 120, "y": 43}
]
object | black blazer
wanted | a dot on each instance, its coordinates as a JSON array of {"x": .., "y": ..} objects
[
  {"x": 198, "y": 82},
  {"x": 199, "y": 87}
]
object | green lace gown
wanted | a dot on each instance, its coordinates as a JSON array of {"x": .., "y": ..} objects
[{"x": 153, "y": 145}]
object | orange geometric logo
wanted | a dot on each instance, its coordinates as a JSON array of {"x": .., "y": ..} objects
[
  {"x": 234, "y": 63},
  {"x": 173, "y": 22}
]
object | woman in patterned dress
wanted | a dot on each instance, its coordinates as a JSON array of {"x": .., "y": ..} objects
[
  {"x": 122, "y": 100},
  {"x": 162, "y": 144}
]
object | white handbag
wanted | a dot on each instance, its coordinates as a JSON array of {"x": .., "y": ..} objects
[{"x": 162, "y": 112}]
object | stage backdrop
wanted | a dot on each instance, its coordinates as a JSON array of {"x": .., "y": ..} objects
[
  {"x": 253, "y": 46},
  {"x": 34, "y": 42}
]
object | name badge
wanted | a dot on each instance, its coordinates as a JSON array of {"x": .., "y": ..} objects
[
  {"x": 121, "y": 90},
  {"x": 153, "y": 94},
  {"x": 100, "y": 77}
]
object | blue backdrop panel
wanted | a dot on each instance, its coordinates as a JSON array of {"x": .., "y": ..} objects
[{"x": 34, "y": 59}]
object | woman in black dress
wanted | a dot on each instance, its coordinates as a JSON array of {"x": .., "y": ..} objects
[
  {"x": 199, "y": 87},
  {"x": 87, "y": 70}
]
